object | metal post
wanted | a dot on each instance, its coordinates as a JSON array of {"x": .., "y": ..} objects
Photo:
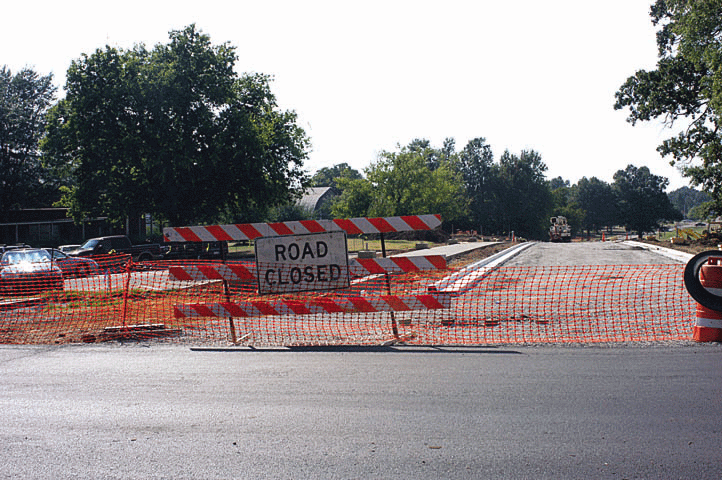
[
  {"x": 394, "y": 326},
  {"x": 227, "y": 292},
  {"x": 129, "y": 268}
]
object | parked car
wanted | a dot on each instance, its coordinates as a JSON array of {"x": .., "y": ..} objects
[
  {"x": 5, "y": 248},
  {"x": 68, "y": 248},
  {"x": 74, "y": 266},
  {"x": 28, "y": 270},
  {"x": 118, "y": 244},
  {"x": 197, "y": 250}
]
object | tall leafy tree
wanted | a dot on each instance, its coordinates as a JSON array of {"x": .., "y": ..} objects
[
  {"x": 522, "y": 198},
  {"x": 413, "y": 180},
  {"x": 564, "y": 203},
  {"x": 685, "y": 199},
  {"x": 642, "y": 199},
  {"x": 175, "y": 132},
  {"x": 329, "y": 176},
  {"x": 598, "y": 201},
  {"x": 474, "y": 163},
  {"x": 24, "y": 100},
  {"x": 357, "y": 195},
  {"x": 685, "y": 89}
]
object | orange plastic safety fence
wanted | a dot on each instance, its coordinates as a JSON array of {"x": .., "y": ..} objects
[{"x": 125, "y": 300}]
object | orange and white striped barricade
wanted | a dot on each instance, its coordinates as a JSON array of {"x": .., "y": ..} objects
[
  {"x": 263, "y": 231},
  {"x": 251, "y": 231},
  {"x": 320, "y": 306},
  {"x": 357, "y": 266}
]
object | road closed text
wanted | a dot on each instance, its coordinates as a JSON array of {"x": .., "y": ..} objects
[
  {"x": 308, "y": 274},
  {"x": 302, "y": 262}
]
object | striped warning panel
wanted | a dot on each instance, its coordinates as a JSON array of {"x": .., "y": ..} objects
[
  {"x": 250, "y": 231},
  {"x": 358, "y": 267},
  {"x": 384, "y": 303},
  {"x": 370, "y": 266},
  {"x": 211, "y": 272}
]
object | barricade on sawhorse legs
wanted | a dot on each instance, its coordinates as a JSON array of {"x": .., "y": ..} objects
[{"x": 302, "y": 256}]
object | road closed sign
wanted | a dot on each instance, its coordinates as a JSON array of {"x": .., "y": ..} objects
[{"x": 297, "y": 263}]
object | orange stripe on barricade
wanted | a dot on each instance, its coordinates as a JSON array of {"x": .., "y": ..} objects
[
  {"x": 211, "y": 272},
  {"x": 406, "y": 264},
  {"x": 219, "y": 233},
  {"x": 281, "y": 228},
  {"x": 187, "y": 235},
  {"x": 708, "y": 327},
  {"x": 385, "y": 303},
  {"x": 248, "y": 231},
  {"x": 348, "y": 226}
]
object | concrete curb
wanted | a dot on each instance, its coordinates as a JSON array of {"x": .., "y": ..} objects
[
  {"x": 448, "y": 251},
  {"x": 664, "y": 251},
  {"x": 465, "y": 278}
]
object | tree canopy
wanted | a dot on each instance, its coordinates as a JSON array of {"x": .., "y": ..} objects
[
  {"x": 642, "y": 201},
  {"x": 522, "y": 197},
  {"x": 598, "y": 201},
  {"x": 414, "y": 180},
  {"x": 475, "y": 163},
  {"x": 686, "y": 199},
  {"x": 686, "y": 88},
  {"x": 329, "y": 176},
  {"x": 24, "y": 99},
  {"x": 175, "y": 132}
]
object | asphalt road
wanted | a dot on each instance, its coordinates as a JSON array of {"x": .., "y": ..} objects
[
  {"x": 129, "y": 411},
  {"x": 166, "y": 411}
]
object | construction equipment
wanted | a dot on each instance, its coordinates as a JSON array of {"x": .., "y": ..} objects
[{"x": 560, "y": 230}]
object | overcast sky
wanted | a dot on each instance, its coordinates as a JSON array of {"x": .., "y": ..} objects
[{"x": 364, "y": 77}]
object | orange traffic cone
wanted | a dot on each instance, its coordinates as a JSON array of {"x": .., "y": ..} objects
[{"x": 709, "y": 322}]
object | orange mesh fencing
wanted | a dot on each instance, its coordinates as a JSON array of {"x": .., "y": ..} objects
[{"x": 124, "y": 300}]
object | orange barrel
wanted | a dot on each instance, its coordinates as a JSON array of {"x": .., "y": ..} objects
[{"x": 709, "y": 322}]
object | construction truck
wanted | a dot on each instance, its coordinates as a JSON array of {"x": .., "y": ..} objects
[{"x": 559, "y": 230}]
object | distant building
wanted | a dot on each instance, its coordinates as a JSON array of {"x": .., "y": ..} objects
[
  {"x": 47, "y": 227},
  {"x": 317, "y": 201}
]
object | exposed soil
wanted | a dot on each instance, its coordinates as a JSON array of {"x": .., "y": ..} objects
[
  {"x": 476, "y": 255},
  {"x": 711, "y": 241}
]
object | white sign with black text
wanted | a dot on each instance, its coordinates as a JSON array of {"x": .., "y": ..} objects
[{"x": 297, "y": 263}]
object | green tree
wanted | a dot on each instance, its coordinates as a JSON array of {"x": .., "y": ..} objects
[
  {"x": 328, "y": 176},
  {"x": 685, "y": 88},
  {"x": 415, "y": 180},
  {"x": 410, "y": 182},
  {"x": 598, "y": 201},
  {"x": 24, "y": 100},
  {"x": 522, "y": 199},
  {"x": 565, "y": 204},
  {"x": 175, "y": 132},
  {"x": 642, "y": 199},
  {"x": 698, "y": 212},
  {"x": 685, "y": 199},
  {"x": 474, "y": 164},
  {"x": 355, "y": 200}
]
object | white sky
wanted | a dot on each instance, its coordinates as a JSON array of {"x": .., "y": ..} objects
[{"x": 366, "y": 76}]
